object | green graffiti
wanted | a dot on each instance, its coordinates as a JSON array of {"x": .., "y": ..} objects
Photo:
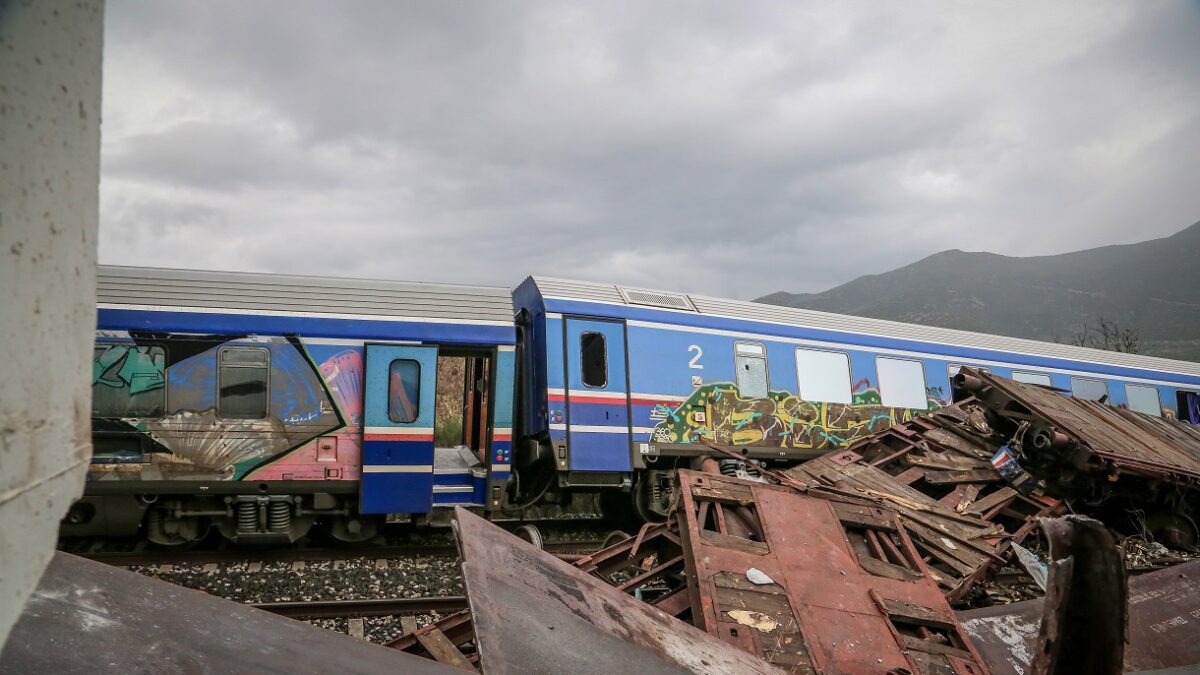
[
  {"x": 719, "y": 413},
  {"x": 139, "y": 369}
]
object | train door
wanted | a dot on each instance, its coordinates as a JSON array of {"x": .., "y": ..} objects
[
  {"x": 597, "y": 396},
  {"x": 398, "y": 410}
]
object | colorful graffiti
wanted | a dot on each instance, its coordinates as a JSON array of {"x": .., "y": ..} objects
[
  {"x": 168, "y": 394},
  {"x": 718, "y": 413}
]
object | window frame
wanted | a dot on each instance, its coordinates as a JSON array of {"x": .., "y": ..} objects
[
  {"x": 1107, "y": 392},
  {"x": 761, "y": 356},
  {"x": 1157, "y": 396},
  {"x": 849, "y": 374},
  {"x": 417, "y": 403},
  {"x": 1049, "y": 378},
  {"x": 166, "y": 380},
  {"x": 583, "y": 368},
  {"x": 950, "y": 372},
  {"x": 924, "y": 381},
  {"x": 267, "y": 366}
]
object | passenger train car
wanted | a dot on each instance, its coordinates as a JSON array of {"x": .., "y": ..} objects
[{"x": 260, "y": 405}]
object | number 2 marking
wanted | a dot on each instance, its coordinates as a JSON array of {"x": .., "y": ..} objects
[{"x": 694, "y": 362}]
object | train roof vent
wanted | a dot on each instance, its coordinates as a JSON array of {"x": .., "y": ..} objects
[{"x": 639, "y": 296}]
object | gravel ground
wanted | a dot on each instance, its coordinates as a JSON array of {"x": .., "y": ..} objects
[{"x": 353, "y": 579}]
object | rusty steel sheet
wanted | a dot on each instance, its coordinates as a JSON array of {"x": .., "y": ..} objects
[
  {"x": 959, "y": 549},
  {"x": 535, "y": 614},
  {"x": 87, "y": 617},
  {"x": 1163, "y": 629},
  {"x": 814, "y": 583}
]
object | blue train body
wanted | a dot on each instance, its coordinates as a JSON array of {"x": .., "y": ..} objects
[{"x": 266, "y": 403}]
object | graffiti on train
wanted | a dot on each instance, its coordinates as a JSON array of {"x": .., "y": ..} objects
[
  {"x": 195, "y": 407},
  {"x": 719, "y": 413}
]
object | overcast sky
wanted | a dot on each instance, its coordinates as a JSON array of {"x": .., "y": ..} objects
[{"x": 727, "y": 148}]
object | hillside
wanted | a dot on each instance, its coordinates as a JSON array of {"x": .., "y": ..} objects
[{"x": 1152, "y": 286}]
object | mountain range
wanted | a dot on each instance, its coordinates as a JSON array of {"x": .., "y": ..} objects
[{"x": 1152, "y": 287}]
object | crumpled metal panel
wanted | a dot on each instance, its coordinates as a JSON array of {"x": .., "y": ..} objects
[
  {"x": 1164, "y": 625},
  {"x": 1132, "y": 442},
  {"x": 87, "y": 617},
  {"x": 814, "y": 584},
  {"x": 536, "y": 614}
]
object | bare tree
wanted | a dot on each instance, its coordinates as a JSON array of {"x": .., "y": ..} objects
[{"x": 1108, "y": 335}]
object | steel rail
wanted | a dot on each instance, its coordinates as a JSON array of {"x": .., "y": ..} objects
[{"x": 337, "y": 609}]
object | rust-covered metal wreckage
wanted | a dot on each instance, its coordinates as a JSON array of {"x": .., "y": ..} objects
[{"x": 854, "y": 562}]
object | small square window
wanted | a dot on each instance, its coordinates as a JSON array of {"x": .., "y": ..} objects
[
  {"x": 1089, "y": 389},
  {"x": 1143, "y": 399},
  {"x": 902, "y": 383},
  {"x": 823, "y": 376},
  {"x": 1031, "y": 378}
]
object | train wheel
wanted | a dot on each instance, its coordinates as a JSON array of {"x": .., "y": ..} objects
[
  {"x": 653, "y": 495},
  {"x": 353, "y": 529},
  {"x": 531, "y": 534},
  {"x": 168, "y": 532},
  {"x": 1174, "y": 529}
]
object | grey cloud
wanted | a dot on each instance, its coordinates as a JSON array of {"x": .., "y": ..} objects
[{"x": 724, "y": 149}]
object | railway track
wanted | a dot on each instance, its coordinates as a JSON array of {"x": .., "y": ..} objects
[
  {"x": 351, "y": 609},
  {"x": 148, "y": 557}
]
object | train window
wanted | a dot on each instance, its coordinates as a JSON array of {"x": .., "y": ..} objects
[
  {"x": 1031, "y": 378},
  {"x": 1143, "y": 399},
  {"x": 953, "y": 369},
  {"x": 242, "y": 382},
  {"x": 1089, "y": 389},
  {"x": 593, "y": 356},
  {"x": 128, "y": 381},
  {"x": 823, "y": 376},
  {"x": 901, "y": 383},
  {"x": 404, "y": 391},
  {"x": 750, "y": 364}
]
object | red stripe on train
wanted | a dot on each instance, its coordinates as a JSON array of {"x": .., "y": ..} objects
[{"x": 400, "y": 438}]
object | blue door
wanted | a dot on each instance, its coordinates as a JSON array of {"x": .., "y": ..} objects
[
  {"x": 397, "y": 451},
  {"x": 597, "y": 396}
]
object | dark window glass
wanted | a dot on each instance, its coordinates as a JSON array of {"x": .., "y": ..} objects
[
  {"x": 242, "y": 376},
  {"x": 593, "y": 354},
  {"x": 129, "y": 381},
  {"x": 404, "y": 391}
]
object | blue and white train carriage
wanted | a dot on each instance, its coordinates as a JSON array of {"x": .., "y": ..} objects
[
  {"x": 618, "y": 385},
  {"x": 258, "y": 405}
]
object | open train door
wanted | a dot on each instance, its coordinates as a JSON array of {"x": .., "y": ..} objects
[
  {"x": 397, "y": 450},
  {"x": 597, "y": 396}
]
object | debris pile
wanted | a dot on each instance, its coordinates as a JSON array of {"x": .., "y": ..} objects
[{"x": 854, "y": 561}]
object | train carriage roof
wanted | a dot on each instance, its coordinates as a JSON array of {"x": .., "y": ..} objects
[
  {"x": 361, "y": 302},
  {"x": 561, "y": 295}
]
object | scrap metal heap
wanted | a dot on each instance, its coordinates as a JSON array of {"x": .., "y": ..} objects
[{"x": 850, "y": 563}]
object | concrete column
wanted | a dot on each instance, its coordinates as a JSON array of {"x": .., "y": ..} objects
[{"x": 50, "y": 55}]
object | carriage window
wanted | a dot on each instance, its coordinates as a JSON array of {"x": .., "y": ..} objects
[
  {"x": 593, "y": 356},
  {"x": 1143, "y": 399},
  {"x": 1091, "y": 390},
  {"x": 1031, "y": 378},
  {"x": 823, "y": 376},
  {"x": 404, "y": 391},
  {"x": 128, "y": 381},
  {"x": 242, "y": 377},
  {"x": 953, "y": 369},
  {"x": 901, "y": 383},
  {"x": 750, "y": 364}
]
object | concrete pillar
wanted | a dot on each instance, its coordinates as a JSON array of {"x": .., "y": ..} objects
[{"x": 50, "y": 55}]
